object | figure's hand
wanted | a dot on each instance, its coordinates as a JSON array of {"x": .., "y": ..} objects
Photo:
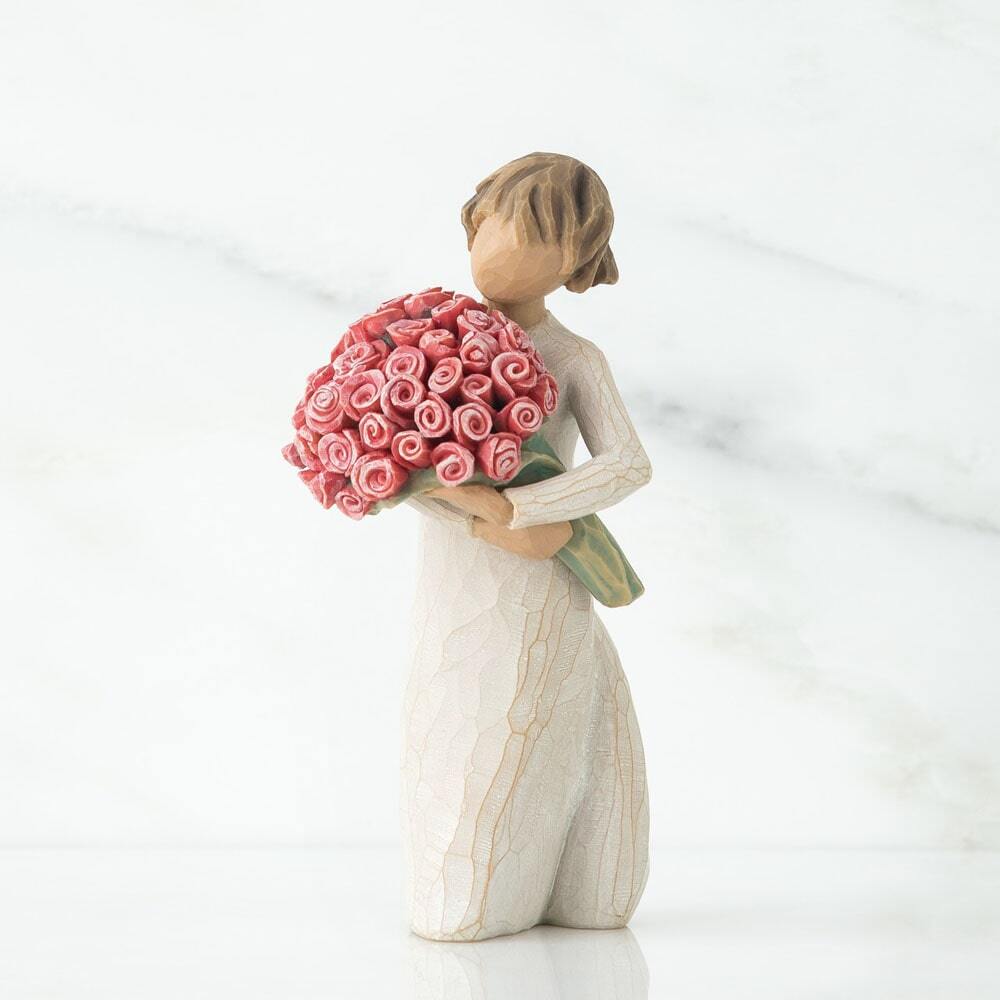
[
  {"x": 480, "y": 501},
  {"x": 539, "y": 542}
]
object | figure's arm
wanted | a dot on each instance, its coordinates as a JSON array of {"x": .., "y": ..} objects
[
  {"x": 619, "y": 465},
  {"x": 437, "y": 508}
]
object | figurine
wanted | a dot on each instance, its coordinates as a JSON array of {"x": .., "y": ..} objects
[{"x": 524, "y": 780}]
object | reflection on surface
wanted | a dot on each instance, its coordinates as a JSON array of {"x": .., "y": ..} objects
[{"x": 546, "y": 963}]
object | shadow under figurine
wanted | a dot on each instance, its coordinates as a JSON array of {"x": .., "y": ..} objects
[{"x": 524, "y": 779}]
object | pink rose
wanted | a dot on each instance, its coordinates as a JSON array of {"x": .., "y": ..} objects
[
  {"x": 477, "y": 352},
  {"x": 446, "y": 313},
  {"x": 521, "y": 417},
  {"x": 351, "y": 503},
  {"x": 406, "y": 361},
  {"x": 400, "y": 397},
  {"x": 513, "y": 375},
  {"x": 512, "y": 337},
  {"x": 324, "y": 411},
  {"x": 477, "y": 321},
  {"x": 319, "y": 377},
  {"x": 499, "y": 457},
  {"x": 360, "y": 393},
  {"x": 545, "y": 393},
  {"x": 299, "y": 415},
  {"x": 372, "y": 326},
  {"x": 291, "y": 455},
  {"x": 446, "y": 379},
  {"x": 377, "y": 476},
  {"x": 306, "y": 442},
  {"x": 433, "y": 416},
  {"x": 345, "y": 341},
  {"x": 360, "y": 357},
  {"x": 438, "y": 344},
  {"x": 339, "y": 451},
  {"x": 323, "y": 485},
  {"x": 472, "y": 422},
  {"x": 411, "y": 449},
  {"x": 377, "y": 431},
  {"x": 477, "y": 389},
  {"x": 453, "y": 462},
  {"x": 396, "y": 303},
  {"x": 407, "y": 332},
  {"x": 419, "y": 306}
]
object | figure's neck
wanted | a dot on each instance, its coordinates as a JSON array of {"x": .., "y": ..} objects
[{"x": 525, "y": 314}]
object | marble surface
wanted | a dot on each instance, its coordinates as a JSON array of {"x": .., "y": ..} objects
[
  {"x": 297, "y": 924},
  {"x": 195, "y": 198}
]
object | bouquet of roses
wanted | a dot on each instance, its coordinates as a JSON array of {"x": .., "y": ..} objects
[{"x": 433, "y": 389}]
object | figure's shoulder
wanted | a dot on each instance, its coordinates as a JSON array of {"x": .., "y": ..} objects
[{"x": 573, "y": 349}]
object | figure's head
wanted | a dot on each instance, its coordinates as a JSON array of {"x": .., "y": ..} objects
[{"x": 539, "y": 222}]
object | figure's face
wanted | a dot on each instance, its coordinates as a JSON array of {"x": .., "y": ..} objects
[{"x": 507, "y": 270}]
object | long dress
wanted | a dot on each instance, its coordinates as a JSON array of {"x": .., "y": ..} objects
[{"x": 524, "y": 786}]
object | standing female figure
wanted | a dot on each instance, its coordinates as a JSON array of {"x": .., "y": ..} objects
[{"x": 524, "y": 779}]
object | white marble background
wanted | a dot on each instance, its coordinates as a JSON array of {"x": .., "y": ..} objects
[{"x": 196, "y": 197}]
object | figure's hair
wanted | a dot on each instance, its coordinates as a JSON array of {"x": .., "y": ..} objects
[{"x": 555, "y": 199}]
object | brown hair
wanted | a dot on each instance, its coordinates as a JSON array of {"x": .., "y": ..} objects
[{"x": 555, "y": 199}]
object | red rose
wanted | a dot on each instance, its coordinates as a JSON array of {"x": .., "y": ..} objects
[
  {"x": 324, "y": 411},
  {"x": 377, "y": 431},
  {"x": 305, "y": 446},
  {"x": 446, "y": 313},
  {"x": 400, "y": 397},
  {"x": 360, "y": 393},
  {"x": 472, "y": 422},
  {"x": 545, "y": 393},
  {"x": 406, "y": 361},
  {"x": 477, "y": 352},
  {"x": 372, "y": 326},
  {"x": 477, "y": 389},
  {"x": 438, "y": 344},
  {"x": 291, "y": 455},
  {"x": 360, "y": 357},
  {"x": 339, "y": 451},
  {"x": 419, "y": 306},
  {"x": 453, "y": 462},
  {"x": 513, "y": 375},
  {"x": 446, "y": 379},
  {"x": 521, "y": 417},
  {"x": 477, "y": 321},
  {"x": 433, "y": 416},
  {"x": 351, "y": 503},
  {"x": 411, "y": 449},
  {"x": 323, "y": 485},
  {"x": 377, "y": 476},
  {"x": 499, "y": 457},
  {"x": 407, "y": 332},
  {"x": 396, "y": 303}
]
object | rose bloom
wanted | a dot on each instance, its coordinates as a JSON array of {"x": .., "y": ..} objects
[
  {"x": 545, "y": 393},
  {"x": 323, "y": 485},
  {"x": 360, "y": 357},
  {"x": 419, "y": 306},
  {"x": 400, "y": 397},
  {"x": 377, "y": 476},
  {"x": 446, "y": 379},
  {"x": 512, "y": 337},
  {"x": 319, "y": 377},
  {"x": 513, "y": 375},
  {"x": 446, "y": 313},
  {"x": 411, "y": 449},
  {"x": 407, "y": 332},
  {"x": 306, "y": 442},
  {"x": 291, "y": 455},
  {"x": 339, "y": 451},
  {"x": 360, "y": 393},
  {"x": 499, "y": 456},
  {"x": 477, "y": 389},
  {"x": 472, "y": 423},
  {"x": 453, "y": 462},
  {"x": 477, "y": 352},
  {"x": 520, "y": 416},
  {"x": 406, "y": 361},
  {"x": 351, "y": 503},
  {"x": 324, "y": 411},
  {"x": 377, "y": 431},
  {"x": 438, "y": 344},
  {"x": 433, "y": 416},
  {"x": 478, "y": 321},
  {"x": 372, "y": 326}
]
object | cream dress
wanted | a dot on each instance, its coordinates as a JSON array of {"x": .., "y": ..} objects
[{"x": 524, "y": 795}]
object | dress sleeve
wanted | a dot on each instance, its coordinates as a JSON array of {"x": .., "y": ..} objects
[{"x": 619, "y": 465}]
